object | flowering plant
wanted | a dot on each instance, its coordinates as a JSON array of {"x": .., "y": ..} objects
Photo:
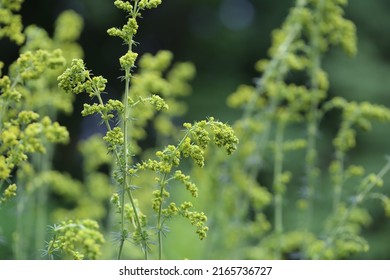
[{"x": 254, "y": 202}]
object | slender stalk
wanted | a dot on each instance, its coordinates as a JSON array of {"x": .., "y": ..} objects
[
  {"x": 275, "y": 64},
  {"x": 127, "y": 179},
  {"x": 278, "y": 185},
  {"x": 163, "y": 183},
  {"x": 367, "y": 186},
  {"x": 126, "y": 157},
  {"x": 40, "y": 198},
  {"x": 313, "y": 119},
  {"x": 338, "y": 177},
  {"x": 137, "y": 221},
  {"x": 20, "y": 236},
  {"x": 159, "y": 217},
  {"x": 337, "y": 190},
  {"x": 371, "y": 185}
]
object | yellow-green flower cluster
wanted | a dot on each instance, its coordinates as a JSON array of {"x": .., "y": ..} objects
[
  {"x": 158, "y": 103},
  {"x": 185, "y": 180},
  {"x": 23, "y": 131},
  {"x": 157, "y": 200},
  {"x": 244, "y": 95},
  {"x": 77, "y": 79},
  {"x": 338, "y": 30},
  {"x": 356, "y": 114},
  {"x": 26, "y": 134},
  {"x": 344, "y": 229},
  {"x": 8, "y": 92},
  {"x": 223, "y": 134},
  {"x": 130, "y": 215},
  {"x": 68, "y": 27},
  {"x": 114, "y": 138},
  {"x": 133, "y": 8},
  {"x": 10, "y": 23},
  {"x": 193, "y": 144},
  {"x": 197, "y": 219},
  {"x": 10, "y": 191},
  {"x": 79, "y": 239},
  {"x": 74, "y": 77},
  {"x": 127, "y": 61},
  {"x": 149, "y": 4},
  {"x": 188, "y": 149},
  {"x": 31, "y": 65},
  {"x": 130, "y": 28},
  {"x": 105, "y": 110},
  {"x": 310, "y": 29},
  {"x": 43, "y": 95}
]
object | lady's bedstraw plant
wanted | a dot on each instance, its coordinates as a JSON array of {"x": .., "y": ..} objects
[
  {"x": 24, "y": 131},
  {"x": 11, "y": 23},
  {"x": 30, "y": 101},
  {"x": 135, "y": 226},
  {"x": 44, "y": 97},
  {"x": 291, "y": 96},
  {"x": 277, "y": 104}
]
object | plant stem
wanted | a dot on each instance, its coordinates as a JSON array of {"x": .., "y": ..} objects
[
  {"x": 278, "y": 186},
  {"x": 163, "y": 183},
  {"x": 367, "y": 187},
  {"x": 313, "y": 117},
  {"x": 275, "y": 64},
  {"x": 138, "y": 222},
  {"x": 42, "y": 163},
  {"x": 159, "y": 216},
  {"x": 127, "y": 179},
  {"x": 338, "y": 177},
  {"x": 337, "y": 190},
  {"x": 126, "y": 158},
  {"x": 371, "y": 185}
]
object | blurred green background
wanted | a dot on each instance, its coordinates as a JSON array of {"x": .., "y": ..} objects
[{"x": 224, "y": 38}]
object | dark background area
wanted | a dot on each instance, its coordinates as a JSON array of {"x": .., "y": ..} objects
[{"x": 224, "y": 38}]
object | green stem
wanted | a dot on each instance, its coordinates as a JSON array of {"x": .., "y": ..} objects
[
  {"x": 127, "y": 179},
  {"x": 371, "y": 185},
  {"x": 367, "y": 187},
  {"x": 278, "y": 186},
  {"x": 275, "y": 64},
  {"x": 126, "y": 158},
  {"x": 313, "y": 118},
  {"x": 159, "y": 217},
  {"x": 138, "y": 222},
  {"x": 42, "y": 163},
  {"x": 163, "y": 183},
  {"x": 338, "y": 179}
]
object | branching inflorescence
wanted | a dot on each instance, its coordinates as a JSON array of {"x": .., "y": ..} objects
[{"x": 142, "y": 92}]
